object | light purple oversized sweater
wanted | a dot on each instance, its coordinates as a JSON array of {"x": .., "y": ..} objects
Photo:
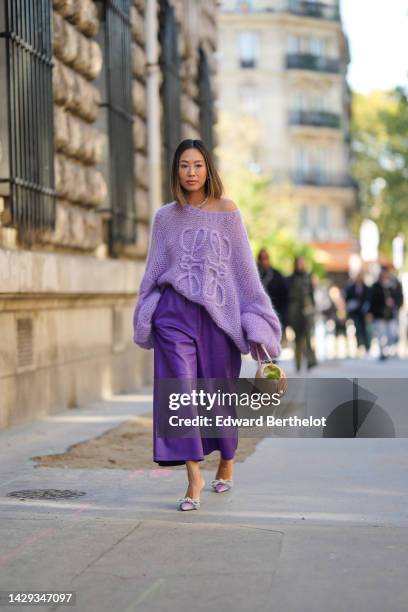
[{"x": 206, "y": 256}]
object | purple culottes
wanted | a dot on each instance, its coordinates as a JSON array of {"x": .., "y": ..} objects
[{"x": 189, "y": 344}]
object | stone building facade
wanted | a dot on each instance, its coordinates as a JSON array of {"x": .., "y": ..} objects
[
  {"x": 283, "y": 64},
  {"x": 123, "y": 82}
]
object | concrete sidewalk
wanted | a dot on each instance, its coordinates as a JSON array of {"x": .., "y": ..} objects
[{"x": 311, "y": 525}]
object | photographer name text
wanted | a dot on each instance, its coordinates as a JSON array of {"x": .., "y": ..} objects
[{"x": 260, "y": 421}]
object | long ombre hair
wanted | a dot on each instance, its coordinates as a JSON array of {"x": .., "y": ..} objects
[{"x": 213, "y": 184}]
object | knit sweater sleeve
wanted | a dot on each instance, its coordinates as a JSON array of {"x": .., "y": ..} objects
[
  {"x": 259, "y": 320},
  {"x": 149, "y": 292}
]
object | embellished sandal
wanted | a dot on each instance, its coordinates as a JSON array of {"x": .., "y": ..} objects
[
  {"x": 220, "y": 485},
  {"x": 187, "y": 503}
]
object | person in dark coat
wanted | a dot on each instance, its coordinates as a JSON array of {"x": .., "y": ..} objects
[
  {"x": 301, "y": 312},
  {"x": 385, "y": 303},
  {"x": 357, "y": 296},
  {"x": 274, "y": 285}
]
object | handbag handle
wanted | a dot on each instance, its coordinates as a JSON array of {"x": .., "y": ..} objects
[
  {"x": 283, "y": 382},
  {"x": 257, "y": 353}
]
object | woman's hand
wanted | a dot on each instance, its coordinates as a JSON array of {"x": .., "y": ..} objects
[{"x": 282, "y": 383}]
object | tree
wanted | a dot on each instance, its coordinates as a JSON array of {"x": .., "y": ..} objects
[{"x": 380, "y": 145}]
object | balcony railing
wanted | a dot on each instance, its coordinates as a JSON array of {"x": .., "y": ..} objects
[
  {"x": 247, "y": 63},
  {"x": 316, "y": 10},
  {"x": 307, "y": 61},
  {"x": 319, "y": 10},
  {"x": 314, "y": 118},
  {"x": 320, "y": 178}
]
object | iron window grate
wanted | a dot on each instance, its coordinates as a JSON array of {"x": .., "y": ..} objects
[
  {"x": 118, "y": 56},
  {"x": 26, "y": 123}
]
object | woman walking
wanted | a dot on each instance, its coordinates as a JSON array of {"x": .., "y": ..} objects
[{"x": 201, "y": 304}]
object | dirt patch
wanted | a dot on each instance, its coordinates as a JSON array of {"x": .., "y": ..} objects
[{"x": 127, "y": 447}]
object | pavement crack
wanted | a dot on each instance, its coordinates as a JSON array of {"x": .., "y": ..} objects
[
  {"x": 201, "y": 574},
  {"x": 268, "y": 594},
  {"x": 258, "y": 528},
  {"x": 108, "y": 550}
]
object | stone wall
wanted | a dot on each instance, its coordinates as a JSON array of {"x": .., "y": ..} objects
[
  {"x": 79, "y": 145},
  {"x": 196, "y": 20},
  {"x": 66, "y": 329},
  {"x": 139, "y": 131}
]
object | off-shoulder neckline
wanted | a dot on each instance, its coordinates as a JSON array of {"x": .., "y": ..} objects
[{"x": 208, "y": 212}]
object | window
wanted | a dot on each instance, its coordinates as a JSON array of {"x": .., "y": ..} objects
[
  {"x": 302, "y": 100},
  {"x": 324, "y": 218},
  {"x": 314, "y": 222},
  {"x": 26, "y": 114},
  {"x": 318, "y": 102},
  {"x": 302, "y": 162},
  {"x": 304, "y": 217},
  {"x": 249, "y": 99},
  {"x": 170, "y": 90},
  {"x": 115, "y": 38},
  {"x": 248, "y": 49},
  {"x": 319, "y": 163},
  {"x": 324, "y": 222},
  {"x": 299, "y": 101},
  {"x": 313, "y": 164},
  {"x": 317, "y": 47},
  {"x": 293, "y": 44},
  {"x": 299, "y": 44}
]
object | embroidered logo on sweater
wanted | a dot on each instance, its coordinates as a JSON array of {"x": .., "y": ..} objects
[{"x": 205, "y": 254}]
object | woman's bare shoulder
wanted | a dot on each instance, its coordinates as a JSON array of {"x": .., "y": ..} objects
[{"x": 227, "y": 205}]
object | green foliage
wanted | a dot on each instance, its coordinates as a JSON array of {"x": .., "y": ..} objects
[
  {"x": 265, "y": 225},
  {"x": 380, "y": 145}
]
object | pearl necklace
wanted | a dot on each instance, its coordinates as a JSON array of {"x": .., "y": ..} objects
[{"x": 201, "y": 203}]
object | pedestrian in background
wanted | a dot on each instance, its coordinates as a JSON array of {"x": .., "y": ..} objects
[
  {"x": 201, "y": 304},
  {"x": 323, "y": 314},
  {"x": 274, "y": 284},
  {"x": 301, "y": 312},
  {"x": 385, "y": 303},
  {"x": 357, "y": 296},
  {"x": 339, "y": 318}
]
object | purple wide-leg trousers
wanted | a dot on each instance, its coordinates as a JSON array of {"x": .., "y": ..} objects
[{"x": 189, "y": 344}]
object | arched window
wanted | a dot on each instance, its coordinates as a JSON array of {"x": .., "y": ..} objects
[
  {"x": 205, "y": 101},
  {"x": 171, "y": 89}
]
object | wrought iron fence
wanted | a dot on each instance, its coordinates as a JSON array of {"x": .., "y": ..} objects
[{"x": 26, "y": 113}]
